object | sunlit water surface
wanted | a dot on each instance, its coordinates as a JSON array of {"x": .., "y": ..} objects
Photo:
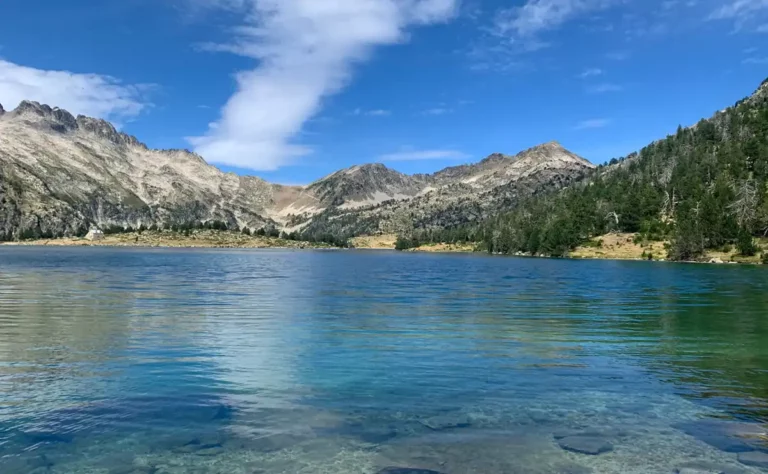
[{"x": 176, "y": 361}]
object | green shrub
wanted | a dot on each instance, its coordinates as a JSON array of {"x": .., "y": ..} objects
[{"x": 746, "y": 244}]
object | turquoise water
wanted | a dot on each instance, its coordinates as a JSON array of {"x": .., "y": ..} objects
[{"x": 177, "y": 361}]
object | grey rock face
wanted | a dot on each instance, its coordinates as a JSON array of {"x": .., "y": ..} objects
[
  {"x": 453, "y": 196},
  {"x": 585, "y": 444},
  {"x": 61, "y": 174}
]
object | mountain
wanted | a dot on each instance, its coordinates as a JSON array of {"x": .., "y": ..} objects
[
  {"x": 454, "y": 196},
  {"x": 60, "y": 174},
  {"x": 702, "y": 188}
]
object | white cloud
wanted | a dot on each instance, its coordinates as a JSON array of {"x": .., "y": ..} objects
[
  {"x": 755, "y": 61},
  {"x": 418, "y": 155},
  {"x": 618, "y": 56},
  {"x": 373, "y": 113},
  {"x": 536, "y": 16},
  {"x": 88, "y": 94},
  {"x": 738, "y": 9},
  {"x": 591, "y": 73},
  {"x": 437, "y": 111},
  {"x": 593, "y": 123},
  {"x": 305, "y": 51},
  {"x": 742, "y": 12},
  {"x": 605, "y": 87}
]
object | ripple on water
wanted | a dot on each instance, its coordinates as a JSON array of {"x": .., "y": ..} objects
[{"x": 139, "y": 361}]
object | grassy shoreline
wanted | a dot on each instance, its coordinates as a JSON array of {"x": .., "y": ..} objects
[
  {"x": 202, "y": 238},
  {"x": 618, "y": 246},
  {"x": 606, "y": 247}
]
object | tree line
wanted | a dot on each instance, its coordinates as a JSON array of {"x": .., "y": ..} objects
[{"x": 704, "y": 187}]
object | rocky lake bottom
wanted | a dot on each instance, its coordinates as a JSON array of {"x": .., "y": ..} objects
[{"x": 221, "y": 361}]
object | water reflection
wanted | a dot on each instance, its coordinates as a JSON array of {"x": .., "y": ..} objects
[{"x": 235, "y": 361}]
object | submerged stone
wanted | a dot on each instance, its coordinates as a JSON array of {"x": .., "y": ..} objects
[
  {"x": 25, "y": 465},
  {"x": 274, "y": 442},
  {"x": 212, "y": 450},
  {"x": 133, "y": 470},
  {"x": 574, "y": 469},
  {"x": 728, "y": 436},
  {"x": 755, "y": 459},
  {"x": 707, "y": 467},
  {"x": 406, "y": 470},
  {"x": 585, "y": 444},
  {"x": 447, "y": 421}
]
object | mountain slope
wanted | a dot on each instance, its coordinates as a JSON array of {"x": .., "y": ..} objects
[
  {"x": 60, "y": 174},
  {"x": 460, "y": 195},
  {"x": 705, "y": 187}
]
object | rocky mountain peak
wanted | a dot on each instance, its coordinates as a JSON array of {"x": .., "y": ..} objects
[
  {"x": 104, "y": 129},
  {"x": 549, "y": 146},
  {"x": 551, "y": 153},
  {"x": 60, "y": 120},
  {"x": 494, "y": 157}
]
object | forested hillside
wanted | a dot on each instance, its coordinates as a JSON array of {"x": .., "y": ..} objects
[{"x": 704, "y": 187}]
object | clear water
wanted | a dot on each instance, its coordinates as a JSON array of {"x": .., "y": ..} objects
[{"x": 175, "y": 361}]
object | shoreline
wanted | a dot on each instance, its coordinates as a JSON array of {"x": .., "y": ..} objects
[
  {"x": 168, "y": 239},
  {"x": 617, "y": 247}
]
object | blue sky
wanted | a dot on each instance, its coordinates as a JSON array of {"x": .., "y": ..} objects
[{"x": 292, "y": 90}]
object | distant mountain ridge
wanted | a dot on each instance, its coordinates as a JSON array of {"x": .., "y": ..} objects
[{"x": 60, "y": 173}]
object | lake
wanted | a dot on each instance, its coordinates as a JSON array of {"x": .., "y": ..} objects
[{"x": 227, "y": 361}]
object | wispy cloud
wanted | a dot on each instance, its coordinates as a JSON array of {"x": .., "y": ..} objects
[
  {"x": 536, "y": 16},
  {"x": 591, "y": 73},
  {"x": 419, "y": 155},
  {"x": 520, "y": 30},
  {"x": 605, "y": 87},
  {"x": 88, "y": 94},
  {"x": 762, "y": 28},
  {"x": 617, "y": 56},
  {"x": 755, "y": 61},
  {"x": 741, "y": 12},
  {"x": 437, "y": 111},
  {"x": 750, "y": 50},
  {"x": 738, "y": 8},
  {"x": 373, "y": 113},
  {"x": 303, "y": 52},
  {"x": 593, "y": 123}
]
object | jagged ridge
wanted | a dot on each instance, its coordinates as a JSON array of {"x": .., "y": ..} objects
[{"x": 60, "y": 173}]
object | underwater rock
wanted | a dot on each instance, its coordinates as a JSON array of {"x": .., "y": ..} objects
[
  {"x": 197, "y": 444},
  {"x": 447, "y": 421},
  {"x": 755, "y": 459},
  {"x": 274, "y": 442},
  {"x": 706, "y": 467},
  {"x": 133, "y": 470},
  {"x": 25, "y": 465},
  {"x": 574, "y": 469},
  {"x": 210, "y": 450},
  {"x": 585, "y": 444},
  {"x": 592, "y": 433},
  {"x": 728, "y": 436},
  {"x": 406, "y": 470}
]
